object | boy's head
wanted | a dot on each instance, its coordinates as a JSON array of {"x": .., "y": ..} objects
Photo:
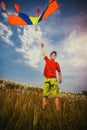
[{"x": 53, "y": 55}]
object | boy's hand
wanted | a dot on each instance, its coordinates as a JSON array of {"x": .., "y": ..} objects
[
  {"x": 43, "y": 49},
  {"x": 42, "y": 44},
  {"x": 60, "y": 80}
]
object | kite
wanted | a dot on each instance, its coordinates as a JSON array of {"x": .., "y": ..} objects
[{"x": 22, "y": 19}]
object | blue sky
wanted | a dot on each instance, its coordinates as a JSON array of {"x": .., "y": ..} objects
[{"x": 65, "y": 31}]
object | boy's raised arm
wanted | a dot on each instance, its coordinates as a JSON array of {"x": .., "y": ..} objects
[{"x": 43, "y": 49}]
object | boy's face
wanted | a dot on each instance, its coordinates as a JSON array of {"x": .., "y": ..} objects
[{"x": 53, "y": 56}]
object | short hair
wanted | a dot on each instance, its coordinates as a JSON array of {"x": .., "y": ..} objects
[{"x": 53, "y": 52}]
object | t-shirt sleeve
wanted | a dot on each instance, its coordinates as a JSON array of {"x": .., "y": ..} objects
[
  {"x": 58, "y": 67},
  {"x": 46, "y": 58}
]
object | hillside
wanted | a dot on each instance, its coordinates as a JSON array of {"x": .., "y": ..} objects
[{"x": 21, "y": 109}]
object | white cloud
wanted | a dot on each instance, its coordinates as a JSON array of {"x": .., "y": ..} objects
[
  {"x": 72, "y": 55},
  {"x": 30, "y": 45},
  {"x": 5, "y": 16},
  {"x": 75, "y": 46},
  {"x": 6, "y": 34}
]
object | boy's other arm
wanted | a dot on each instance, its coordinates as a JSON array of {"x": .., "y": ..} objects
[
  {"x": 43, "y": 49},
  {"x": 60, "y": 77}
]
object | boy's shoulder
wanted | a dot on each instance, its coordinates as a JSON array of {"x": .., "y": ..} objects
[{"x": 46, "y": 57}]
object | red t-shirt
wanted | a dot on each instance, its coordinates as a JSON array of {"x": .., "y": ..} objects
[{"x": 50, "y": 68}]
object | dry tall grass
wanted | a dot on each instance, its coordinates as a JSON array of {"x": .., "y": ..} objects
[{"x": 22, "y": 110}]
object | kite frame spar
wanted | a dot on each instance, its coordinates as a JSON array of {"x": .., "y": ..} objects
[{"x": 22, "y": 19}]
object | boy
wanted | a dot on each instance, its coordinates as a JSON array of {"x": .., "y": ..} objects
[{"x": 50, "y": 79}]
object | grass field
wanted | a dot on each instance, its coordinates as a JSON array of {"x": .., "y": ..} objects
[{"x": 21, "y": 109}]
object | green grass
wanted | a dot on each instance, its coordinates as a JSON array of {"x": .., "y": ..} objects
[{"x": 22, "y": 110}]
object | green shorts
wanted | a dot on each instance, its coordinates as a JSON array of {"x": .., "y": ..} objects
[{"x": 51, "y": 87}]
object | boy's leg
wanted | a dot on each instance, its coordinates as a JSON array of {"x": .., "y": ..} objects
[
  {"x": 57, "y": 103},
  {"x": 55, "y": 92},
  {"x": 44, "y": 102},
  {"x": 46, "y": 90}
]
